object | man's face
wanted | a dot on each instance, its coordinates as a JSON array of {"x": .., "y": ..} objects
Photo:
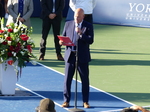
[{"x": 78, "y": 17}]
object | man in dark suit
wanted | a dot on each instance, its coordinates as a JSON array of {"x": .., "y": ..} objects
[
  {"x": 1, "y": 7},
  {"x": 51, "y": 16},
  {"x": 83, "y": 32}
]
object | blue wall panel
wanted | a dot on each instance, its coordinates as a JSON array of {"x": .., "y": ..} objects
[{"x": 121, "y": 12}]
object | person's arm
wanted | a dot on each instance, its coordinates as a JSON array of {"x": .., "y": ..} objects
[
  {"x": 29, "y": 12},
  {"x": 135, "y": 107},
  {"x": 94, "y": 3},
  {"x": 72, "y": 4},
  {"x": 10, "y": 8}
]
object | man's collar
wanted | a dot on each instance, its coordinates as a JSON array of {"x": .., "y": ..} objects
[{"x": 78, "y": 24}]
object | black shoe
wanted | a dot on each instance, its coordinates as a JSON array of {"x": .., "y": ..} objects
[
  {"x": 41, "y": 57},
  {"x": 59, "y": 57}
]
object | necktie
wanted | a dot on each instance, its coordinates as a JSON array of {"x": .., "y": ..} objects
[
  {"x": 75, "y": 38},
  {"x": 20, "y": 7}
]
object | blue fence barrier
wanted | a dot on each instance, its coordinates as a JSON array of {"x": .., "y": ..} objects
[{"x": 121, "y": 12}]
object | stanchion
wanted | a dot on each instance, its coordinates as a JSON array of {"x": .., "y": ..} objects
[{"x": 75, "y": 109}]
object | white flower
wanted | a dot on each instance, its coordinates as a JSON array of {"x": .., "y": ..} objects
[
  {"x": 14, "y": 54},
  {"x": 2, "y": 52},
  {"x": 5, "y": 28},
  {"x": 15, "y": 30},
  {"x": 26, "y": 49},
  {"x": 5, "y": 35},
  {"x": 22, "y": 52},
  {"x": 34, "y": 62},
  {"x": 1, "y": 40},
  {"x": 1, "y": 59},
  {"x": 24, "y": 43},
  {"x": 9, "y": 42},
  {"x": 16, "y": 25},
  {"x": 30, "y": 41}
]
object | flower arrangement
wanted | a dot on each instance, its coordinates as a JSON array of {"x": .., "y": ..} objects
[{"x": 15, "y": 44}]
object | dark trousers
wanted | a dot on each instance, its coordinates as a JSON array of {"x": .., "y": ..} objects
[
  {"x": 46, "y": 26},
  {"x": 84, "y": 75}
]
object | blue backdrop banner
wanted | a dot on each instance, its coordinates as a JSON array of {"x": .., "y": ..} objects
[{"x": 121, "y": 12}]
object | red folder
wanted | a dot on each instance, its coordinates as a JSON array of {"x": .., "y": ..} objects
[{"x": 66, "y": 40}]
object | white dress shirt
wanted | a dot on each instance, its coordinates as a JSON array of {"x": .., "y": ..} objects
[
  {"x": 86, "y": 5},
  {"x": 53, "y": 5}
]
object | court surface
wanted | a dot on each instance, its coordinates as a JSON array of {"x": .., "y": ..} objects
[{"x": 39, "y": 81}]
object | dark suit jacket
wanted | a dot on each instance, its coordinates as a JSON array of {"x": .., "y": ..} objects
[
  {"x": 83, "y": 42},
  {"x": 1, "y": 9},
  {"x": 47, "y": 8}
]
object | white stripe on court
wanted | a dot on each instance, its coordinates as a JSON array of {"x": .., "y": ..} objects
[
  {"x": 38, "y": 94},
  {"x": 91, "y": 86},
  {"x": 75, "y": 80}
]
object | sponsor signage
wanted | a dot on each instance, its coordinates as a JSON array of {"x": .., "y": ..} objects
[{"x": 121, "y": 12}]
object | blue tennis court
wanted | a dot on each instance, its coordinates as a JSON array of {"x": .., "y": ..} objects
[{"x": 38, "y": 82}]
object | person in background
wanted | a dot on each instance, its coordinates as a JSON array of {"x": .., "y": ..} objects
[
  {"x": 6, "y": 11},
  {"x": 46, "y": 105},
  {"x": 134, "y": 108},
  {"x": 51, "y": 15},
  {"x": 81, "y": 34},
  {"x": 86, "y": 5},
  {"x": 22, "y": 7},
  {"x": 1, "y": 9}
]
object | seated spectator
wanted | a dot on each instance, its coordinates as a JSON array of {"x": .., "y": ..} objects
[
  {"x": 46, "y": 105},
  {"x": 134, "y": 108},
  {"x": 128, "y": 110}
]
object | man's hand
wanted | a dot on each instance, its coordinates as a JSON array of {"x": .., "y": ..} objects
[
  {"x": 78, "y": 30},
  {"x": 61, "y": 42},
  {"x": 52, "y": 16},
  {"x": 21, "y": 19}
]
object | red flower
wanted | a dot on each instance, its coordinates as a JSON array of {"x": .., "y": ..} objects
[
  {"x": 11, "y": 48},
  {"x": 4, "y": 43},
  {"x": 24, "y": 37},
  {"x": 18, "y": 47},
  {"x": 18, "y": 44},
  {"x": 10, "y": 54},
  {"x": 1, "y": 31},
  {"x": 10, "y": 62},
  {"x": 29, "y": 48},
  {"x": 8, "y": 38},
  {"x": 10, "y": 30}
]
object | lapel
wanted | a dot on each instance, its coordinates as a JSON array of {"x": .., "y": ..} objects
[
  {"x": 83, "y": 24},
  {"x": 72, "y": 29}
]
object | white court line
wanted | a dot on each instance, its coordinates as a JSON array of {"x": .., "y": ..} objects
[
  {"x": 73, "y": 79},
  {"x": 38, "y": 94},
  {"x": 90, "y": 86}
]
